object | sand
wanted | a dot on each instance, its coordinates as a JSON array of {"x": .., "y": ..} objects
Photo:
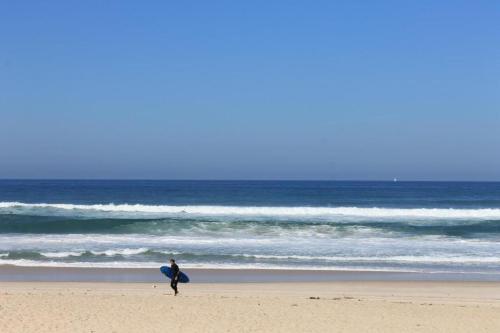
[{"x": 390, "y": 306}]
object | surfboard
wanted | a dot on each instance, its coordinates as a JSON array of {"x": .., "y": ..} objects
[{"x": 183, "y": 278}]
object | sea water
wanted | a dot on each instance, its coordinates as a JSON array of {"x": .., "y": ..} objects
[{"x": 375, "y": 226}]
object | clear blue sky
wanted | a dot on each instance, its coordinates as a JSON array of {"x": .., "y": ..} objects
[{"x": 250, "y": 89}]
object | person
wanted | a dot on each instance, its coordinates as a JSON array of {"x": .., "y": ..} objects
[{"x": 175, "y": 276}]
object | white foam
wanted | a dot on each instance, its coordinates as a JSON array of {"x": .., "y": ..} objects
[
  {"x": 123, "y": 252},
  {"x": 373, "y": 212},
  {"x": 423, "y": 259},
  {"x": 61, "y": 254},
  {"x": 97, "y": 241},
  {"x": 257, "y": 266},
  {"x": 405, "y": 259},
  {"x": 129, "y": 264},
  {"x": 83, "y": 264}
]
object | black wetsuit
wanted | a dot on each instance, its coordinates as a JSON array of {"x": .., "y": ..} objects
[{"x": 175, "y": 276}]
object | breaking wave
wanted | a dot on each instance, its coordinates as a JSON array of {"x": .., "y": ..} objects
[{"x": 373, "y": 212}]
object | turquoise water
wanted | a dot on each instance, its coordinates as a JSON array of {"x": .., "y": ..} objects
[{"x": 388, "y": 226}]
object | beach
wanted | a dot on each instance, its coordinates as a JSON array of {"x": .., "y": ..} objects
[
  {"x": 341, "y": 306},
  {"x": 84, "y": 256},
  {"x": 257, "y": 166}
]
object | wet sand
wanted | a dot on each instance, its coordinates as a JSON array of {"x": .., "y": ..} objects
[{"x": 78, "y": 274}]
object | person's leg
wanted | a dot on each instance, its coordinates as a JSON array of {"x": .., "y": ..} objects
[{"x": 173, "y": 285}]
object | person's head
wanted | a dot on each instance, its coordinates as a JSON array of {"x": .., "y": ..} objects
[{"x": 172, "y": 261}]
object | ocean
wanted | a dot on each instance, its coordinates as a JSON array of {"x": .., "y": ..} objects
[{"x": 445, "y": 227}]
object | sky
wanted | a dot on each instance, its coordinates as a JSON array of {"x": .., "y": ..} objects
[{"x": 250, "y": 89}]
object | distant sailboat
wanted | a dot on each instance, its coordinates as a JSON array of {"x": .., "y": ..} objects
[{"x": 395, "y": 180}]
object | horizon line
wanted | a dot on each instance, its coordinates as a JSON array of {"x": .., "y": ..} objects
[{"x": 256, "y": 180}]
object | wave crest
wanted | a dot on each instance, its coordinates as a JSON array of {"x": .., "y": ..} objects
[{"x": 262, "y": 211}]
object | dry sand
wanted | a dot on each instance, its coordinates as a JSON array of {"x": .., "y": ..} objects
[{"x": 389, "y": 306}]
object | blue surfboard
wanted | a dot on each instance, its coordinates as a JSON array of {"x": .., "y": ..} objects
[{"x": 183, "y": 278}]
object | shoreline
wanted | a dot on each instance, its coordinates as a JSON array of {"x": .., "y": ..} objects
[{"x": 10, "y": 273}]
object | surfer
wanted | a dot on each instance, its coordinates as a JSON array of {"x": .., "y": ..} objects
[{"x": 175, "y": 276}]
